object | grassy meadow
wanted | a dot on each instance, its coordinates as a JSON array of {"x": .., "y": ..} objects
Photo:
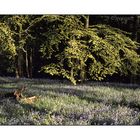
[{"x": 61, "y": 103}]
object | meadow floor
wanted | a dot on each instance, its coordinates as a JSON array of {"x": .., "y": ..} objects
[{"x": 61, "y": 103}]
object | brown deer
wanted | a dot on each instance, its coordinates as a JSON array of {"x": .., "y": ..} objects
[
  {"x": 27, "y": 100},
  {"x": 19, "y": 93}
]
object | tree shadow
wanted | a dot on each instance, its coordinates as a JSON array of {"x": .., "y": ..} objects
[
  {"x": 61, "y": 91},
  {"x": 89, "y": 96},
  {"x": 71, "y": 90},
  {"x": 114, "y": 85}
]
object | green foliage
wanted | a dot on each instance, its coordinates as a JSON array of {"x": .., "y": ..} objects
[
  {"x": 125, "y": 49},
  {"x": 79, "y": 54},
  {"x": 20, "y": 26},
  {"x": 66, "y": 47},
  {"x": 18, "y": 39},
  {"x": 6, "y": 41},
  {"x": 7, "y": 48}
]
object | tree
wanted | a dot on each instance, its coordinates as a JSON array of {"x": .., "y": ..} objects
[
  {"x": 86, "y": 24},
  {"x": 21, "y": 28},
  {"x": 78, "y": 53},
  {"x": 7, "y": 48},
  {"x": 66, "y": 46}
]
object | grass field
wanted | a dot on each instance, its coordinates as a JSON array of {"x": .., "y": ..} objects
[{"x": 61, "y": 103}]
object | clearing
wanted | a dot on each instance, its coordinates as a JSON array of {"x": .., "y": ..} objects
[{"x": 61, "y": 103}]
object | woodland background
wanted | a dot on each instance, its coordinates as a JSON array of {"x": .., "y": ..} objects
[{"x": 74, "y": 47}]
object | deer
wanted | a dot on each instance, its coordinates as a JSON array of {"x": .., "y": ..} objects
[
  {"x": 29, "y": 100},
  {"x": 19, "y": 96},
  {"x": 19, "y": 93}
]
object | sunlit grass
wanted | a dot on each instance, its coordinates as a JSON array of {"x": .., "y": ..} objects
[{"x": 61, "y": 103}]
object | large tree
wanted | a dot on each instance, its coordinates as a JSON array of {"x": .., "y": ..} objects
[{"x": 78, "y": 53}]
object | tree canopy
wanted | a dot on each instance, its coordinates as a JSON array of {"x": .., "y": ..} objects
[{"x": 66, "y": 46}]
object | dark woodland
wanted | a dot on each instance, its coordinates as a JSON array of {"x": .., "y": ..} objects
[{"x": 73, "y": 47}]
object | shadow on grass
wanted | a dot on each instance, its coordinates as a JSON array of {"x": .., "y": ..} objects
[
  {"x": 117, "y": 86},
  {"x": 26, "y": 81},
  {"x": 12, "y": 108},
  {"x": 89, "y": 96},
  {"x": 83, "y": 94},
  {"x": 70, "y": 90}
]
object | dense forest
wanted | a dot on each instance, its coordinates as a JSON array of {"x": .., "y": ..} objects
[{"x": 73, "y": 47}]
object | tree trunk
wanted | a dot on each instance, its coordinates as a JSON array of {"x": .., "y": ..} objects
[
  {"x": 31, "y": 63},
  {"x": 16, "y": 67},
  {"x": 82, "y": 72},
  {"x": 27, "y": 63},
  {"x": 17, "y": 71},
  {"x": 20, "y": 60},
  {"x": 86, "y": 21}
]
